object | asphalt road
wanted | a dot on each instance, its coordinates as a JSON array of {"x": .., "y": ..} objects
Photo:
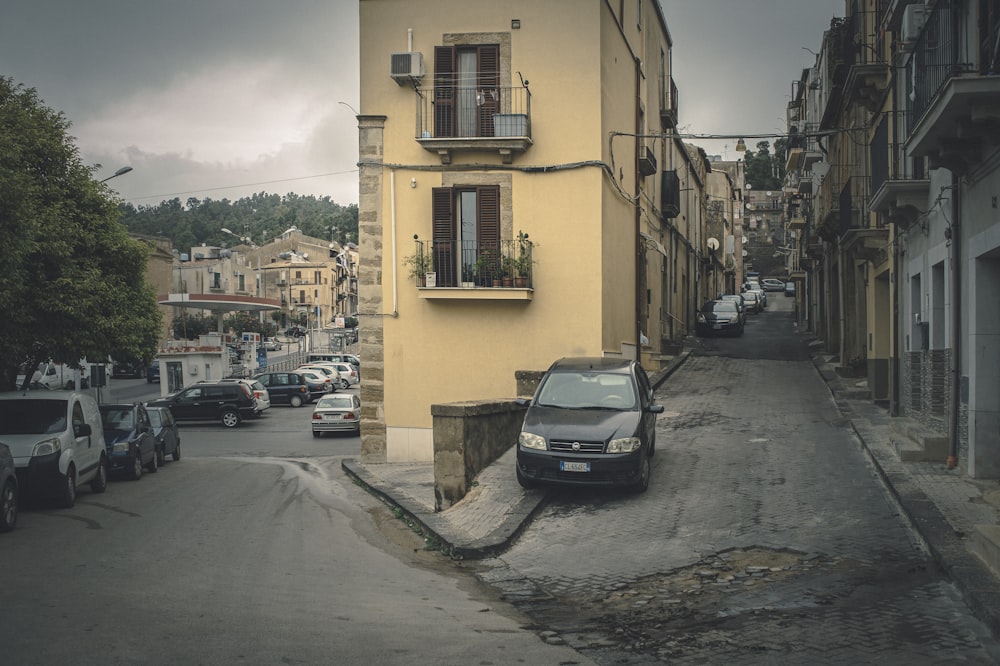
[
  {"x": 253, "y": 548},
  {"x": 765, "y": 536}
]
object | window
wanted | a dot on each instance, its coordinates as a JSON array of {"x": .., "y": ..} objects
[
  {"x": 466, "y": 90},
  {"x": 466, "y": 232}
]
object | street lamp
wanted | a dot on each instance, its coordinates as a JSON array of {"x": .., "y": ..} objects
[{"x": 121, "y": 172}]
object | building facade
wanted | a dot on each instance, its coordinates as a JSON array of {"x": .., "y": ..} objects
[{"x": 502, "y": 145}]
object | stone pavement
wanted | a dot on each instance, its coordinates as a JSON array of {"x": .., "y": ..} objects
[{"x": 944, "y": 506}]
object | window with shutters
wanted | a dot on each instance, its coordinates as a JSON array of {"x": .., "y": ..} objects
[
  {"x": 466, "y": 90},
  {"x": 466, "y": 243}
]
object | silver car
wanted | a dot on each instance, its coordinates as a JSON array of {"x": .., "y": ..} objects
[
  {"x": 336, "y": 412},
  {"x": 8, "y": 490}
]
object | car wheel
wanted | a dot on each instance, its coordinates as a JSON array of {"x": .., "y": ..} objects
[
  {"x": 230, "y": 418},
  {"x": 154, "y": 464},
  {"x": 8, "y": 506},
  {"x": 177, "y": 451},
  {"x": 100, "y": 481},
  {"x": 295, "y": 401},
  {"x": 68, "y": 498},
  {"x": 161, "y": 456},
  {"x": 344, "y": 384},
  {"x": 136, "y": 472},
  {"x": 643, "y": 483},
  {"x": 525, "y": 482}
]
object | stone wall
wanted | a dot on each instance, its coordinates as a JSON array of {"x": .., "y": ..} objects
[{"x": 468, "y": 436}]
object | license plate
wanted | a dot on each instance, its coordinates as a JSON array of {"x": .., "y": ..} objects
[
  {"x": 565, "y": 466},
  {"x": 717, "y": 326}
]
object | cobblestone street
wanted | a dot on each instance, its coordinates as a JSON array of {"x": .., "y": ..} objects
[{"x": 766, "y": 535}]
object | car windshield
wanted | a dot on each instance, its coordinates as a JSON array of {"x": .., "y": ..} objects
[
  {"x": 335, "y": 402},
  {"x": 117, "y": 418},
  {"x": 587, "y": 390},
  {"x": 32, "y": 417},
  {"x": 720, "y": 306}
]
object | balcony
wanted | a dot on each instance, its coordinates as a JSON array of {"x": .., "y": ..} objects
[
  {"x": 668, "y": 102},
  {"x": 900, "y": 188},
  {"x": 796, "y": 223},
  {"x": 647, "y": 162},
  {"x": 468, "y": 119},
  {"x": 468, "y": 270},
  {"x": 956, "y": 106}
]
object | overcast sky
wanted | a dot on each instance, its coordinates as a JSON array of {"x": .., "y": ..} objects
[{"x": 222, "y": 98}]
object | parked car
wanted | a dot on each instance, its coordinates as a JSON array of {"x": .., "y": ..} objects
[
  {"x": 327, "y": 371},
  {"x": 286, "y": 388},
  {"x": 752, "y": 301},
  {"x": 295, "y": 332},
  {"x": 719, "y": 318},
  {"x": 153, "y": 371},
  {"x": 772, "y": 284},
  {"x": 349, "y": 375},
  {"x": 789, "y": 289},
  {"x": 740, "y": 303},
  {"x": 8, "y": 490},
  {"x": 57, "y": 441},
  {"x": 591, "y": 422},
  {"x": 229, "y": 402},
  {"x": 128, "y": 435},
  {"x": 335, "y": 357},
  {"x": 319, "y": 384},
  {"x": 259, "y": 392},
  {"x": 54, "y": 376},
  {"x": 166, "y": 432},
  {"x": 272, "y": 344},
  {"x": 133, "y": 369},
  {"x": 334, "y": 413}
]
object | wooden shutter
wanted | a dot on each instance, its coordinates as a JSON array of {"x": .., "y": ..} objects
[
  {"x": 444, "y": 234},
  {"x": 488, "y": 219},
  {"x": 445, "y": 65},
  {"x": 488, "y": 87}
]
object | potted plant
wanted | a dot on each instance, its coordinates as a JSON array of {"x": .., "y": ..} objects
[
  {"x": 507, "y": 267},
  {"x": 419, "y": 265},
  {"x": 522, "y": 264},
  {"x": 486, "y": 266}
]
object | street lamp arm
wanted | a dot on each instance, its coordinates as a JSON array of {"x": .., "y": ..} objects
[{"x": 122, "y": 171}]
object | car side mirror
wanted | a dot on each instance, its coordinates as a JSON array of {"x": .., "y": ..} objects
[
  {"x": 655, "y": 409},
  {"x": 81, "y": 430},
  {"x": 522, "y": 402}
]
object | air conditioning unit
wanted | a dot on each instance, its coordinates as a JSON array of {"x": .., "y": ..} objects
[
  {"x": 404, "y": 67},
  {"x": 914, "y": 18}
]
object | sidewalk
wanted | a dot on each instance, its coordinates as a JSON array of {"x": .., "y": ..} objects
[{"x": 944, "y": 506}]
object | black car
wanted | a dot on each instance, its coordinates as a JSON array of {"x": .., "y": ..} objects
[
  {"x": 168, "y": 436},
  {"x": 592, "y": 421},
  {"x": 8, "y": 490},
  {"x": 286, "y": 388},
  {"x": 719, "y": 318},
  {"x": 295, "y": 332},
  {"x": 210, "y": 401},
  {"x": 128, "y": 435},
  {"x": 153, "y": 372}
]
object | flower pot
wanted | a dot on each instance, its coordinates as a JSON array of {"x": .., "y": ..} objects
[{"x": 521, "y": 281}]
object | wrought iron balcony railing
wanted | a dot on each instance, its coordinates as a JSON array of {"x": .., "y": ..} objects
[{"x": 471, "y": 264}]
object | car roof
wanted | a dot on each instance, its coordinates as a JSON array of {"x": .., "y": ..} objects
[{"x": 585, "y": 363}]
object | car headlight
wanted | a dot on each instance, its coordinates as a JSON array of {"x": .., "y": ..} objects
[
  {"x": 530, "y": 440},
  {"x": 47, "y": 447},
  {"x": 119, "y": 448},
  {"x": 624, "y": 445},
  {"x": 700, "y": 318}
]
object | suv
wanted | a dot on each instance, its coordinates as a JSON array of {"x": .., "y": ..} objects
[
  {"x": 259, "y": 392},
  {"x": 230, "y": 402},
  {"x": 57, "y": 441}
]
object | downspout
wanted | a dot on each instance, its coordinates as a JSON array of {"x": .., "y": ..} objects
[
  {"x": 392, "y": 218},
  {"x": 956, "y": 321},
  {"x": 639, "y": 273}
]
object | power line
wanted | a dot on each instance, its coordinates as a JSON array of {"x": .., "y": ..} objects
[{"x": 233, "y": 187}]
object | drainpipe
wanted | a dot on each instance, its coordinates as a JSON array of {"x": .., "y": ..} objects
[
  {"x": 638, "y": 217},
  {"x": 956, "y": 320}
]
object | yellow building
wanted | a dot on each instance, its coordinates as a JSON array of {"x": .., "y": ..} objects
[{"x": 505, "y": 140}]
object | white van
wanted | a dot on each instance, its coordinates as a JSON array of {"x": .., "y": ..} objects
[
  {"x": 57, "y": 441},
  {"x": 55, "y": 376}
]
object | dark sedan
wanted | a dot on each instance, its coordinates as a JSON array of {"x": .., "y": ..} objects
[
  {"x": 592, "y": 421},
  {"x": 8, "y": 490},
  {"x": 128, "y": 435},
  {"x": 286, "y": 388},
  {"x": 166, "y": 432},
  {"x": 719, "y": 318}
]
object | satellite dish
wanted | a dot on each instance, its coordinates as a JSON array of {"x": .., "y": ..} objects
[
  {"x": 744, "y": 240},
  {"x": 713, "y": 244},
  {"x": 749, "y": 186},
  {"x": 768, "y": 194},
  {"x": 745, "y": 253},
  {"x": 749, "y": 206}
]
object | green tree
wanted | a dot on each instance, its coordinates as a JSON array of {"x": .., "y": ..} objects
[
  {"x": 74, "y": 280},
  {"x": 763, "y": 170}
]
